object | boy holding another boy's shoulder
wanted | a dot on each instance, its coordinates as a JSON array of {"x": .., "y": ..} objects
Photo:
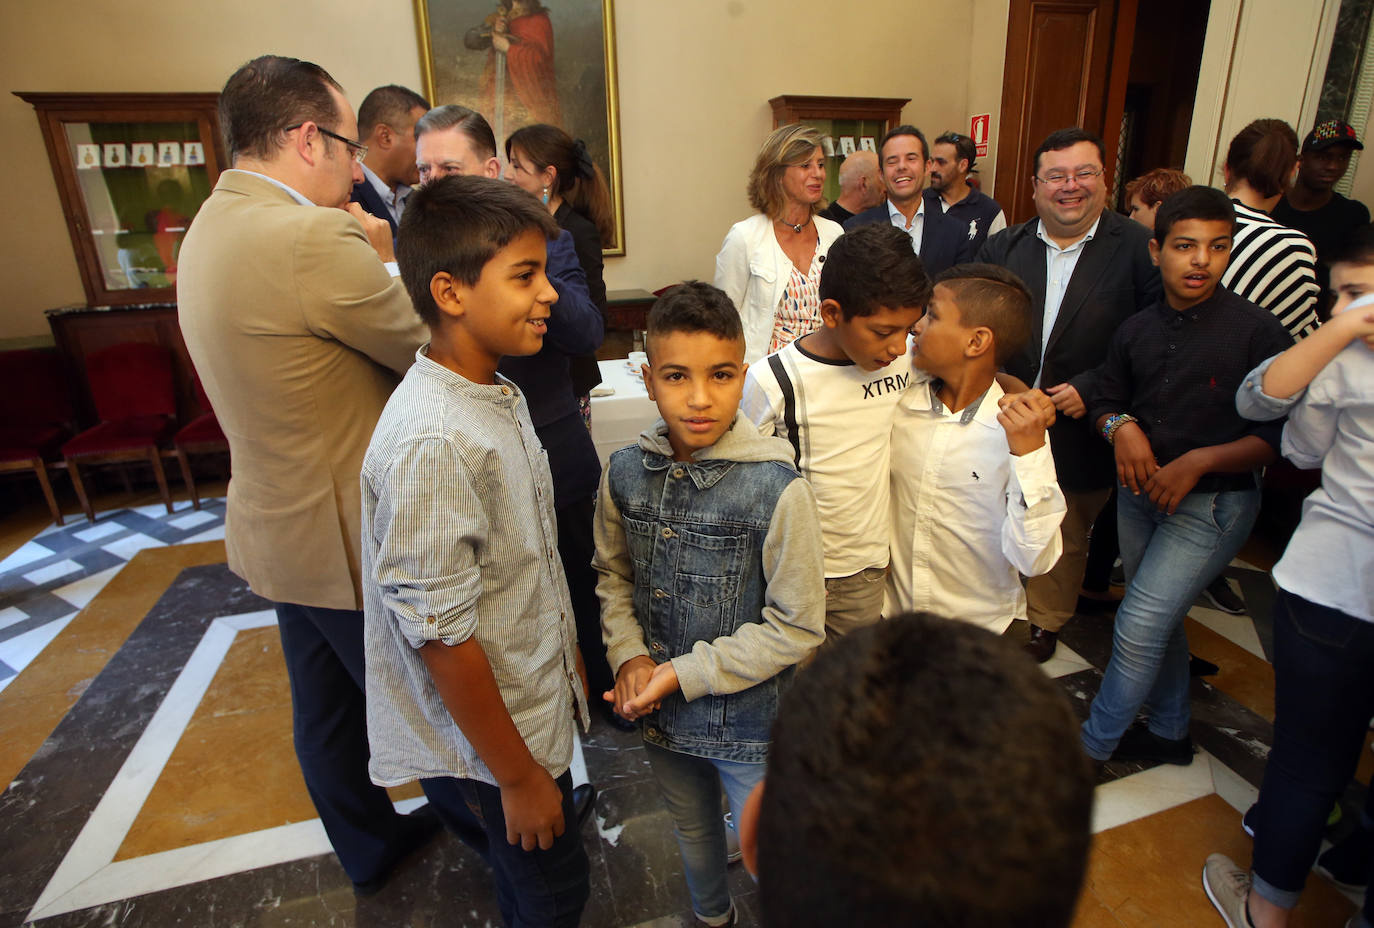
[{"x": 975, "y": 502}]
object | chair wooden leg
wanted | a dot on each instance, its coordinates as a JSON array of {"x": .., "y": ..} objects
[
  {"x": 80, "y": 489},
  {"x": 155, "y": 458},
  {"x": 188, "y": 478},
  {"x": 41, "y": 470}
]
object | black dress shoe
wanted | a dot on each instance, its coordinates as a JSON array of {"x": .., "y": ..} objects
[
  {"x": 583, "y": 800},
  {"x": 1141, "y": 744},
  {"x": 1197, "y": 667},
  {"x": 1041, "y": 644},
  {"x": 417, "y": 829}
]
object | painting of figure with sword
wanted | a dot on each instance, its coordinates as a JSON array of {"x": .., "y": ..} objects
[
  {"x": 518, "y": 84},
  {"x": 497, "y": 57}
]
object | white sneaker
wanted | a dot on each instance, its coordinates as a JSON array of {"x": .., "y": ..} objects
[
  {"x": 733, "y": 853},
  {"x": 1227, "y": 886}
]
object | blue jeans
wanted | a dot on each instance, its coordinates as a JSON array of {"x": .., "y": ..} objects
[
  {"x": 691, "y": 787},
  {"x": 1323, "y": 700},
  {"x": 534, "y": 889},
  {"x": 1168, "y": 560}
]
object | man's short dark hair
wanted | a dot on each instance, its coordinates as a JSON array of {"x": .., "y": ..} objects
[
  {"x": 1061, "y": 139},
  {"x": 923, "y": 772},
  {"x": 269, "y": 94},
  {"x": 693, "y": 307},
  {"x": 457, "y": 224},
  {"x": 991, "y": 296},
  {"x": 903, "y": 130},
  {"x": 469, "y": 122},
  {"x": 1196, "y": 202},
  {"x": 1357, "y": 249},
  {"x": 871, "y": 267},
  {"x": 389, "y": 105},
  {"x": 964, "y": 149}
]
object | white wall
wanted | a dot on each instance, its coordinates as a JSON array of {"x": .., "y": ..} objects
[
  {"x": 695, "y": 79},
  {"x": 1261, "y": 59}
]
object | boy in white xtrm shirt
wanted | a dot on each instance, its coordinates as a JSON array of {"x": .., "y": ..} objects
[{"x": 832, "y": 394}]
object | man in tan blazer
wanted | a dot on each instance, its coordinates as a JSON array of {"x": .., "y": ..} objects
[{"x": 299, "y": 332}]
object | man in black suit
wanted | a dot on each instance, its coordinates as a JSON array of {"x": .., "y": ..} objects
[
  {"x": 1088, "y": 269},
  {"x": 386, "y": 125},
  {"x": 939, "y": 240}
]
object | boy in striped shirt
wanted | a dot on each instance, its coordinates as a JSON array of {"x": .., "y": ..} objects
[{"x": 473, "y": 673}]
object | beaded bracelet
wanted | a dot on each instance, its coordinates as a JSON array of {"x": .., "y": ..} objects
[{"x": 1114, "y": 422}]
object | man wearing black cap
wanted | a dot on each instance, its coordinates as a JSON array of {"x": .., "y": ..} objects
[{"x": 1312, "y": 206}]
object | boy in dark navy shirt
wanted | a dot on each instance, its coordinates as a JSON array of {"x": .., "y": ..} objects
[{"x": 1187, "y": 469}]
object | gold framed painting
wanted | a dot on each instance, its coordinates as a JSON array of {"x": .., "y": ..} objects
[{"x": 558, "y": 67}]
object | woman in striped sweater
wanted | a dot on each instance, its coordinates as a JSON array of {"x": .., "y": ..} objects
[{"x": 1271, "y": 265}]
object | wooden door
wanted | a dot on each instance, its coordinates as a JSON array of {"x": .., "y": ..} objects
[{"x": 1067, "y": 65}]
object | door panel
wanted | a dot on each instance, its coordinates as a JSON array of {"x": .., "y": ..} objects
[{"x": 1059, "y": 72}]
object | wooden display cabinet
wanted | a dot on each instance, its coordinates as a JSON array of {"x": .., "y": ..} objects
[
  {"x": 838, "y": 118},
  {"x": 132, "y": 170}
]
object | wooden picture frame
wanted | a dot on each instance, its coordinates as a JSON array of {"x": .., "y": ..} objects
[{"x": 565, "y": 74}]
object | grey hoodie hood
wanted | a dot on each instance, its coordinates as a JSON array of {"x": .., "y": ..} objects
[{"x": 741, "y": 443}]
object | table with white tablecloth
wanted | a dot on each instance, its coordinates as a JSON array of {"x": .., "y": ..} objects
[{"x": 618, "y": 418}]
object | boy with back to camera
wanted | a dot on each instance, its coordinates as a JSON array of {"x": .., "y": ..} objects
[
  {"x": 832, "y": 394},
  {"x": 709, "y": 551},
  {"x": 975, "y": 503},
  {"x": 890, "y": 756},
  {"x": 472, "y": 662},
  {"x": 1187, "y": 469}
]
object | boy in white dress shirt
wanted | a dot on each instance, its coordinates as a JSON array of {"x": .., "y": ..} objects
[{"x": 975, "y": 502}]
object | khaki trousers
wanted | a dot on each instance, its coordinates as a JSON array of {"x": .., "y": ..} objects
[{"x": 1051, "y": 598}]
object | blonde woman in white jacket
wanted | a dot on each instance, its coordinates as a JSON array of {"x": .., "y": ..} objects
[{"x": 770, "y": 263}]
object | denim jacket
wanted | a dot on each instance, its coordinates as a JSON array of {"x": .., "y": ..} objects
[{"x": 716, "y": 565}]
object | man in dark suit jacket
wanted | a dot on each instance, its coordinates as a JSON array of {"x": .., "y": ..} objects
[
  {"x": 1088, "y": 269},
  {"x": 386, "y": 125},
  {"x": 939, "y": 240}
]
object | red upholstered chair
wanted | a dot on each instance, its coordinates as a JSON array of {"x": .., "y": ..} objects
[
  {"x": 35, "y": 415},
  {"x": 202, "y": 435},
  {"x": 131, "y": 385}
]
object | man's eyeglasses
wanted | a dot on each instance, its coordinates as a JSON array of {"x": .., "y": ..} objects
[
  {"x": 1059, "y": 178},
  {"x": 356, "y": 149}
]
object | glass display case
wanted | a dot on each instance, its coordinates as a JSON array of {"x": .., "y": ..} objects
[
  {"x": 132, "y": 171},
  {"x": 848, "y": 123}
]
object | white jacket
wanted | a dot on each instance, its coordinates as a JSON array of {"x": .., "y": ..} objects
[{"x": 753, "y": 270}]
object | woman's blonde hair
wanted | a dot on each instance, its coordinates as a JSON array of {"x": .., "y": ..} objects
[{"x": 784, "y": 147}]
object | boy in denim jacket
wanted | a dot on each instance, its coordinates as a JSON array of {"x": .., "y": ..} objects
[{"x": 711, "y": 580}]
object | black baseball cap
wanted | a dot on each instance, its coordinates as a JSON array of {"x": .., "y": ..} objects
[{"x": 1331, "y": 132}]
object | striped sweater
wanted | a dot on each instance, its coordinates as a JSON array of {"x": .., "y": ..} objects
[{"x": 1274, "y": 266}]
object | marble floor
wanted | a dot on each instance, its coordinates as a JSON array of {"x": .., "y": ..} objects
[{"x": 145, "y": 743}]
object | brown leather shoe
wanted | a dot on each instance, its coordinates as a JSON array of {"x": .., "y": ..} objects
[{"x": 1041, "y": 644}]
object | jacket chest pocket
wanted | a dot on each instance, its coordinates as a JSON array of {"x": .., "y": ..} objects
[
  {"x": 709, "y": 567},
  {"x": 763, "y": 271},
  {"x": 639, "y": 540}
]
